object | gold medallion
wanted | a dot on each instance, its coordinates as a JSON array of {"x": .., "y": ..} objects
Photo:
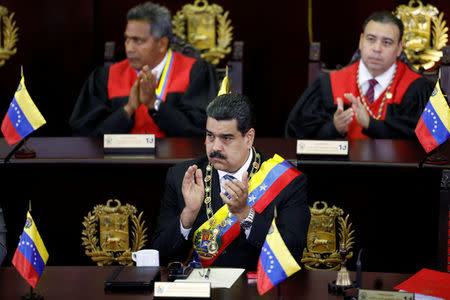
[
  {"x": 213, "y": 247},
  {"x": 388, "y": 95}
]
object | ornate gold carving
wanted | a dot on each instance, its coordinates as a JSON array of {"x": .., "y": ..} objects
[
  {"x": 321, "y": 251},
  {"x": 201, "y": 19},
  {"x": 113, "y": 224},
  {"x": 10, "y": 36},
  {"x": 425, "y": 33}
]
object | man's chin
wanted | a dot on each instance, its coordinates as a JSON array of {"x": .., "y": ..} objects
[
  {"x": 218, "y": 164},
  {"x": 135, "y": 64}
]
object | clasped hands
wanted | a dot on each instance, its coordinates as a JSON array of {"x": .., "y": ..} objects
[
  {"x": 193, "y": 191},
  {"x": 342, "y": 118},
  {"x": 142, "y": 91}
]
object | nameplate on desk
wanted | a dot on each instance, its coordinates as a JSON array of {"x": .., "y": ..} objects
[
  {"x": 322, "y": 147},
  {"x": 384, "y": 295},
  {"x": 129, "y": 143},
  {"x": 183, "y": 289}
]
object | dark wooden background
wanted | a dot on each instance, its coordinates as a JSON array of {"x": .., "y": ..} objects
[{"x": 60, "y": 43}]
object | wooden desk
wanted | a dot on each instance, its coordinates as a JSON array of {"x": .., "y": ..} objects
[
  {"x": 392, "y": 202},
  {"x": 84, "y": 282}
]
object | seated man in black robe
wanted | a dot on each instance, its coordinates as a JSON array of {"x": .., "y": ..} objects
[
  {"x": 376, "y": 97},
  {"x": 220, "y": 206},
  {"x": 155, "y": 90}
]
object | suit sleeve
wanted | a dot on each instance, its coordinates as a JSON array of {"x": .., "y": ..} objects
[
  {"x": 292, "y": 219},
  {"x": 184, "y": 114},
  {"x": 94, "y": 114},
  {"x": 401, "y": 119},
  {"x": 167, "y": 238},
  {"x": 312, "y": 116}
]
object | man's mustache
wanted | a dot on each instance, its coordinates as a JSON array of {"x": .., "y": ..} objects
[{"x": 217, "y": 154}]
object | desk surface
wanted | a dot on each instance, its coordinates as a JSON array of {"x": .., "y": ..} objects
[
  {"x": 78, "y": 150},
  {"x": 66, "y": 282}
]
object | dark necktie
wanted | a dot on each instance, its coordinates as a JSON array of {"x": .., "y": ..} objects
[
  {"x": 230, "y": 178},
  {"x": 371, "y": 91}
]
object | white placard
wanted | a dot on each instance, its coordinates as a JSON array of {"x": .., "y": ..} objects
[
  {"x": 322, "y": 147},
  {"x": 121, "y": 141},
  {"x": 384, "y": 295},
  {"x": 183, "y": 289}
]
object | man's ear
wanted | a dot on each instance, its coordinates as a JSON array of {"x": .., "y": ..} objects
[
  {"x": 250, "y": 137},
  {"x": 163, "y": 44},
  {"x": 401, "y": 44}
]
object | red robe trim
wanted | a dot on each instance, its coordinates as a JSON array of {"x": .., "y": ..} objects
[
  {"x": 344, "y": 81},
  {"x": 122, "y": 77}
]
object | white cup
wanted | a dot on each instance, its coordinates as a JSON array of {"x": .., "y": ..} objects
[{"x": 146, "y": 257}]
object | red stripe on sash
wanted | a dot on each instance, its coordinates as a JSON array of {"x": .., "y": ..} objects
[
  {"x": 275, "y": 189},
  {"x": 227, "y": 238}
]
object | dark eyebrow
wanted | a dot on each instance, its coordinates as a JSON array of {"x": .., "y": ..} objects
[{"x": 227, "y": 135}]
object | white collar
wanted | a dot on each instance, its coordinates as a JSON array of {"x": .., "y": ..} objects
[
  {"x": 383, "y": 79},
  {"x": 239, "y": 173},
  {"x": 160, "y": 67}
]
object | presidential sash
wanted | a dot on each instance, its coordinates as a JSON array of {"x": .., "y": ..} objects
[{"x": 211, "y": 238}]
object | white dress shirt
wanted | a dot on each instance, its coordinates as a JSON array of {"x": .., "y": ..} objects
[{"x": 383, "y": 79}]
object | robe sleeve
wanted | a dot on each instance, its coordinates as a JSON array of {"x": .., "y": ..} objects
[
  {"x": 401, "y": 119},
  {"x": 94, "y": 114},
  {"x": 312, "y": 115},
  {"x": 184, "y": 114}
]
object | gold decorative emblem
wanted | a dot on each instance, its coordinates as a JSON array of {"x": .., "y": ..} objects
[
  {"x": 9, "y": 34},
  {"x": 200, "y": 20},
  {"x": 321, "y": 252},
  {"x": 113, "y": 225},
  {"x": 425, "y": 33}
]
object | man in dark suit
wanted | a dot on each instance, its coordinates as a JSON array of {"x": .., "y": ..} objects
[{"x": 221, "y": 205}]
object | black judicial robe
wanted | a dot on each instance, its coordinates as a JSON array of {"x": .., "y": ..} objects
[
  {"x": 312, "y": 115},
  {"x": 192, "y": 85},
  {"x": 292, "y": 221}
]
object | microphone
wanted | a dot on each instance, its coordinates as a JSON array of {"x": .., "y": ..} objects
[{"x": 358, "y": 271}]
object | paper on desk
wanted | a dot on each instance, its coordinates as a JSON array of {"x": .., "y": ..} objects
[
  {"x": 428, "y": 282},
  {"x": 218, "y": 277}
]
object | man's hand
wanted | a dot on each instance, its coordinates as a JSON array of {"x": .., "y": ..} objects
[
  {"x": 238, "y": 191},
  {"x": 133, "y": 100},
  {"x": 147, "y": 87},
  {"x": 361, "y": 115},
  {"x": 342, "y": 118},
  {"x": 193, "y": 193}
]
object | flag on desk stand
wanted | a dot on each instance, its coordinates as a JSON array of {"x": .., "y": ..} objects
[
  {"x": 22, "y": 118},
  {"x": 433, "y": 127},
  {"x": 30, "y": 256},
  {"x": 276, "y": 262}
]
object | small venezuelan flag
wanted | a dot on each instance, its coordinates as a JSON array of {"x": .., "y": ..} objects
[
  {"x": 30, "y": 256},
  {"x": 433, "y": 127},
  {"x": 22, "y": 118},
  {"x": 276, "y": 262}
]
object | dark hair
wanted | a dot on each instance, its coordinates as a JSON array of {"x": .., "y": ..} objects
[
  {"x": 232, "y": 106},
  {"x": 158, "y": 16},
  {"x": 385, "y": 17}
]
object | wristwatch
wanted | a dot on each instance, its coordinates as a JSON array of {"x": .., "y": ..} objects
[{"x": 247, "y": 222}]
